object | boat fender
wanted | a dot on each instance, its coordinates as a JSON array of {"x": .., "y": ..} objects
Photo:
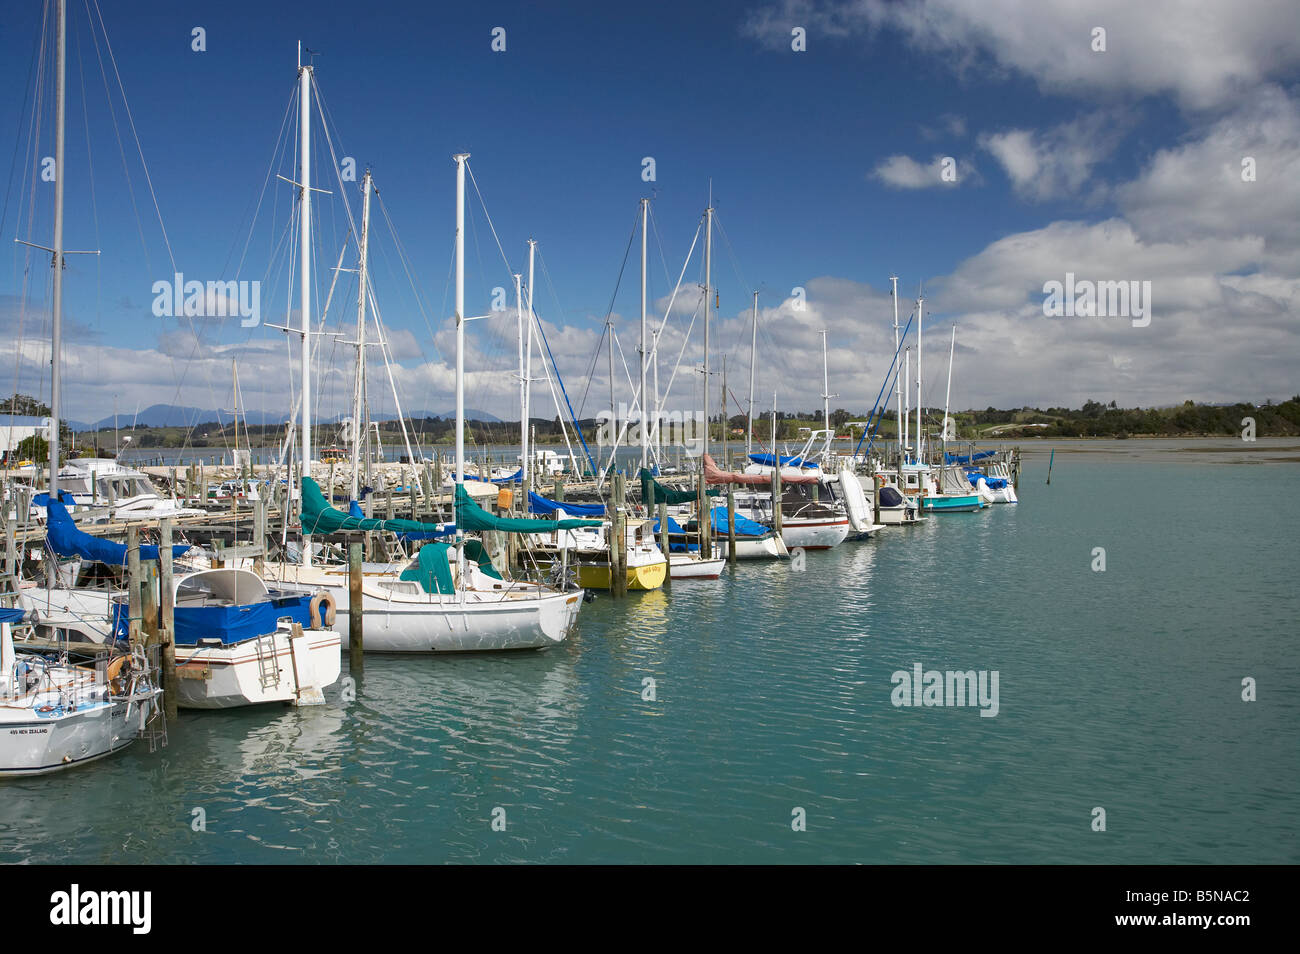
[{"x": 330, "y": 615}]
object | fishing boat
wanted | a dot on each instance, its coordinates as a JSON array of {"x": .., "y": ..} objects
[{"x": 56, "y": 714}]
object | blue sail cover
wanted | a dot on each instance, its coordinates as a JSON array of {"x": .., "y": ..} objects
[
  {"x": 65, "y": 497},
  {"x": 744, "y": 526},
  {"x": 993, "y": 483},
  {"x": 66, "y": 540},
  {"x": 768, "y": 460},
  {"x": 12, "y": 615},
  {"x": 539, "y": 504},
  {"x": 955, "y": 459},
  {"x": 673, "y": 526}
]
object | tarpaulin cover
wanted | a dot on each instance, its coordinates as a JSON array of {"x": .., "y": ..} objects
[
  {"x": 319, "y": 517},
  {"x": 744, "y": 526},
  {"x": 889, "y": 497},
  {"x": 955, "y": 459},
  {"x": 714, "y": 475},
  {"x": 470, "y": 517},
  {"x": 66, "y": 540},
  {"x": 767, "y": 461},
  {"x": 673, "y": 526},
  {"x": 539, "y": 504},
  {"x": 231, "y": 624},
  {"x": 653, "y": 492}
]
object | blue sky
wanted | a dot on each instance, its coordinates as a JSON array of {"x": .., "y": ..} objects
[{"x": 1115, "y": 165}]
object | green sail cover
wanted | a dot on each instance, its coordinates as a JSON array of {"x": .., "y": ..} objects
[
  {"x": 661, "y": 494},
  {"x": 432, "y": 569},
  {"x": 474, "y": 550},
  {"x": 318, "y": 517},
  {"x": 470, "y": 517}
]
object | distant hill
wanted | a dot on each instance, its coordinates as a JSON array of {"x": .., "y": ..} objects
[{"x": 158, "y": 415}]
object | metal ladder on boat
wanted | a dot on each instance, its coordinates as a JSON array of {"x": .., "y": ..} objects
[{"x": 268, "y": 666}]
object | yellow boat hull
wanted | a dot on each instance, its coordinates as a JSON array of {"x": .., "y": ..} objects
[{"x": 648, "y": 576}]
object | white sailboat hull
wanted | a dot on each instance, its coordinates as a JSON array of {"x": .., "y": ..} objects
[
  {"x": 398, "y": 618},
  {"x": 284, "y": 668}
]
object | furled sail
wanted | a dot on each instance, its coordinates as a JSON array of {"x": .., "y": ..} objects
[{"x": 66, "y": 540}]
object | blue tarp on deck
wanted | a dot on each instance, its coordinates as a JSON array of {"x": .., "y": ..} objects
[{"x": 539, "y": 504}]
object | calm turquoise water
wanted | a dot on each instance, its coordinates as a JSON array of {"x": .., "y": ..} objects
[{"x": 1119, "y": 689}]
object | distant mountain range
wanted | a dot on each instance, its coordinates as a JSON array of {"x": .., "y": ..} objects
[{"x": 170, "y": 415}]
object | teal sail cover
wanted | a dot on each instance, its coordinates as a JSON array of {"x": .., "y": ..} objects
[
  {"x": 318, "y": 517},
  {"x": 432, "y": 568},
  {"x": 653, "y": 492},
  {"x": 470, "y": 517}
]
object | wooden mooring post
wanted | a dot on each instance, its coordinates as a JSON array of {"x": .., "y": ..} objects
[
  {"x": 355, "y": 616},
  {"x": 167, "y": 626},
  {"x": 731, "y": 524},
  {"x": 617, "y": 540},
  {"x": 133, "y": 586},
  {"x": 663, "y": 543},
  {"x": 776, "y": 498}
]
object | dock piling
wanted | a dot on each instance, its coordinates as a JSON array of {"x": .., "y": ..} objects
[
  {"x": 355, "y": 641},
  {"x": 167, "y": 629}
]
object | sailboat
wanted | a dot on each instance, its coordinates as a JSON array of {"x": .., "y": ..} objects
[
  {"x": 448, "y": 597},
  {"x": 55, "y": 713}
]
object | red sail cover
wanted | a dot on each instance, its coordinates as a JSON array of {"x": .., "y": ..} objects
[{"x": 713, "y": 475}]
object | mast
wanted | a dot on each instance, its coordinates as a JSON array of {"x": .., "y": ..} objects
[
  {"x": 234, "y": 373},
  {"x": 826, "y": 391},
  {"x": 898, "y": 381},
  {"x": 359, "y": 387},
  {"x": 523, "y": 417},
  {"x": 920, "y": 441},
  {"x": 645, "y": 436},
  {"x": 947, "y": 396},
  {"x": 723, "y": 408},
  {"x": 613, "y": 411},
  {"x": 528, "y": 362},
  {"x": 753, "y": 351},
  {"x": 776, "y": 458},
  {"x": 708, "y": 306},
  {"x": 56, "y": 324},
  {"x": 907, "y": 394},
  {"x": 304, "y": 254},
  {"x": 460, "y": 318}
]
